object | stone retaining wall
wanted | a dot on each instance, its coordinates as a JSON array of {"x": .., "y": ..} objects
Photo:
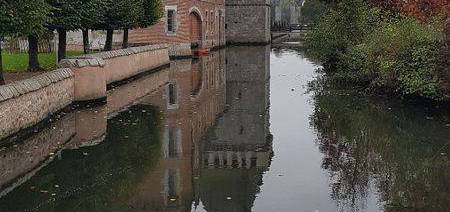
[
  {"x": 27, "y": 102},
  {"x": 93, "y": 72}
]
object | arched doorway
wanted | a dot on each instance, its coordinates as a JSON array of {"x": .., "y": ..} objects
[{"x": 196, "y": 27}]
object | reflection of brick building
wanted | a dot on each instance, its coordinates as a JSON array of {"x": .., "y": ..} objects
[
  {"x": 186, "y": 21},
  {"x": 238, "y": 150},
  {"x": 190, "y": 101}
]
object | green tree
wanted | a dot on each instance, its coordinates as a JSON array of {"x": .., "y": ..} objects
[
  {"x": 313, "y": 11},
  {"x": 342, "y": 27},
  {"x": 150, "y": 12},
  {"x": 6, "y": 28},
  {"x": 92, "y": 13},
  {"x": 29, "y": 19},
  {"x": 119, "y": 14},
  {"x": 70, "y": 15},
  {"x": 128, "y": 14}
]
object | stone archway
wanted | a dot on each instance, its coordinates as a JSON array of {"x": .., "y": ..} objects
[{"x": 195, "y": 22}]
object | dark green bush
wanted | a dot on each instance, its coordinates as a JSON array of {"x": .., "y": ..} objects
[
  {"x": 399, "y": 55},
  {"x": 313, "y": 11},
  {"x": 342, "y": 27}
]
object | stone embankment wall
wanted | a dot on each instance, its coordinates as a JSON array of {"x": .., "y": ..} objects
[
  {"x": 94, "y": 72},
  {"x": 23, "y": 104},
  {"x": 27, "y": 102},
  {"x": 81, "y": 128}
]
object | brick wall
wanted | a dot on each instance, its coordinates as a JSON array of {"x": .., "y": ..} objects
[{"x": 212, "y": 27}]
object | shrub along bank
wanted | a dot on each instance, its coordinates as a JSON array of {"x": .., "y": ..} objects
[{"x": 361, "y": 44}]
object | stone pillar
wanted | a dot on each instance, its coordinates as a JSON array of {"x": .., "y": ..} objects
[{"x": 90, "y": 79}]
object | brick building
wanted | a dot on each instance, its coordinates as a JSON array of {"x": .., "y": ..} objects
[{"x": 186, "y": 22}]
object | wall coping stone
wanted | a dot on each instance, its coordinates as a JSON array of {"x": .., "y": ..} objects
[
  {"x": 22, "y": 87},
  {"x": 98, "y": 59},
  {"x": 125, "y": 52}
]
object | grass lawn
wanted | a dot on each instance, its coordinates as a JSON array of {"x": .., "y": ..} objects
[{"x": 18, "y": 62}]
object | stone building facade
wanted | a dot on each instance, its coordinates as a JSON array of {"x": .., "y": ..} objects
[
  {"x": 186, "y": 22},
  {"x": 248, "y": 21}
]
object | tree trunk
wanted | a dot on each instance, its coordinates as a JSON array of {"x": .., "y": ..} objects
[
  {"x": 85, "y": 41},
  {"x": 33, "y": 62},
  {"x": 62, "y": 43},
  {"x": 125, "y": 39},
  {"x": 109, "y": 40},
  {"x": 2, "y": 80},
  {"x": 49, "y": 43}
]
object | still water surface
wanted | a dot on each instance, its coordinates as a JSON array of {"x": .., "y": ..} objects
[{"x": 242, "y": 129}]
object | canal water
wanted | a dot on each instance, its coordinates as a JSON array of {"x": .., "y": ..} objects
[{"x": 241, "y": 129}]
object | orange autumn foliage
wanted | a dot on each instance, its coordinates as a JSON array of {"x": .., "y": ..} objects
[{"x": 420, "y": 9}]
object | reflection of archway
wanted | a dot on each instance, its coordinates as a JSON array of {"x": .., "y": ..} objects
[{"x": 195, "y": 22}]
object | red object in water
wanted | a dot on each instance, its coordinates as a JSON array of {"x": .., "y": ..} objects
[{"x": 200, "y": 52}]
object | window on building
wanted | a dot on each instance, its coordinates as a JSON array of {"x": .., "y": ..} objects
[
  {"x": 173, "y": 151},
  {"x": 172, "y": 193},
  {"x": 171, "y": 20},
  {"x": 206, "y": 20},
  {"x": 172, "y": 94},
  {"x": 211, "y": 16}
]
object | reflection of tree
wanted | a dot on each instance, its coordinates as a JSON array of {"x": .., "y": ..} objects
[
  {"x": 98, "y": 178},
  {"x": 398, "y": 149}
]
